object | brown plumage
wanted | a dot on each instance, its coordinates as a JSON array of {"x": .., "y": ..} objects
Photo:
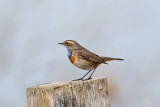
[
  {"x": 110, "y": 59},
  {"x": 83, "y": 58}
]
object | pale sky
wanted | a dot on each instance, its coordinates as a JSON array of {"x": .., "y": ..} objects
[{"x": 30, "y": 55}]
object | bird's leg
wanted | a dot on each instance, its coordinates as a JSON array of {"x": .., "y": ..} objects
[
  {"x": 90, "y": 75},
  {"x": 83, "y": 76}
]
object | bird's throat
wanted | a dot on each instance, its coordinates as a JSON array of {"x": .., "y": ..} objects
[{"x": 69, "y": 52}]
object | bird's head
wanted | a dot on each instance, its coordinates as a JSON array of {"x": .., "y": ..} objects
[{"x": 71, "y": 44}]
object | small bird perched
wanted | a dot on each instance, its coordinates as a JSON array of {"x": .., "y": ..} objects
[{"x": 84, "y": 59}]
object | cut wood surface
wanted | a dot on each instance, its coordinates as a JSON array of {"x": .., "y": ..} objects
[{"x": 90, "y": 93}]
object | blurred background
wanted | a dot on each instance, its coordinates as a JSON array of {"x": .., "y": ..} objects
[{"x": 30, "y": 55}]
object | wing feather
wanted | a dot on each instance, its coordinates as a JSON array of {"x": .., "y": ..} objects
[{"x": 89, "y": 56}]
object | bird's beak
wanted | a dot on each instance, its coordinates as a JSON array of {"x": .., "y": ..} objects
[{"x": 61, "y": 43}]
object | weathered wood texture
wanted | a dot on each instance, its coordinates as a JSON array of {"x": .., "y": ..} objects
[{"x": 90, "y": 93}]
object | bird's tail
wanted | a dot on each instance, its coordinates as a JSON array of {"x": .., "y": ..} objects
[{"x": 110, "y": 59}]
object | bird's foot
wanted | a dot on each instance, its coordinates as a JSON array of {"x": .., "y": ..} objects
[
  {"x": 78, "y": 79},
  {"x": 87, "y": 79}
]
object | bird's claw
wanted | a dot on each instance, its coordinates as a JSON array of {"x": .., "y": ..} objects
[
  {"x": 87, "y": 79},
  {"x": 78, "y": 79}
]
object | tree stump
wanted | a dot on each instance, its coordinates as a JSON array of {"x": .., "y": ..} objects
[{"x": 90, "y": 93}]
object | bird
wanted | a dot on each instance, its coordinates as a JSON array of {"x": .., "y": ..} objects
[{"x": 83, "y": 58}]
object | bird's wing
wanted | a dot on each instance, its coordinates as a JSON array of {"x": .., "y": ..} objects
[{"x": 89, "y": 56}]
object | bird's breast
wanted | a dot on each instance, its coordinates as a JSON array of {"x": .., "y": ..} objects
[
  {"x": 81, "y": 63},
  {"x": 72, "y": 59}
]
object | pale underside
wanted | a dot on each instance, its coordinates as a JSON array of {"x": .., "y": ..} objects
[{"x": 85, "y": 65}]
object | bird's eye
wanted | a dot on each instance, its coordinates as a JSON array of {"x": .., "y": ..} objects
[{"x": 66, "y": 43}]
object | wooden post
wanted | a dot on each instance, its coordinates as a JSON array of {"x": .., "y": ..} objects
[{"x": 90, "y": 93}]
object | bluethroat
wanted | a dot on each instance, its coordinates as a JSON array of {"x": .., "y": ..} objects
[{"x": 83, "y": 58}]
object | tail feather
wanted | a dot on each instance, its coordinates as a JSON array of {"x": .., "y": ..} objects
[{"x": 109, "y": 59}]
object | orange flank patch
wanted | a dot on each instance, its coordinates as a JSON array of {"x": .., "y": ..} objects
[{"x": 73, "y": 59}]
